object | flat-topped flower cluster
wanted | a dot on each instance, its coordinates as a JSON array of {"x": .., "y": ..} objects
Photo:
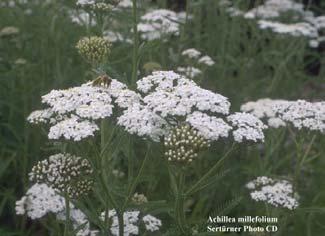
[
  {"x": 160, "y": 23},
  {"x": 72, "y": 113},
  {"x": 300, "y": 114},
  {"x": 270, "y": 15},
  {"x": 163, "y": 100},
  {"x": 278, "y": 193},
  {"x": 170, "y": 99}
]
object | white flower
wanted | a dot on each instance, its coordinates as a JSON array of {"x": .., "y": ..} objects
[
  {"x": 132, "y": 220},
  {"x": 73, "y": 129},
  {"x": 278, "y": 193},
  {"x": 263, "y": 109},
  {"x": 73, "y": 112},
  {"x": 158, "y": 23},
  {"x": 209, "y": 127},
  {"x": 114, "y": 37},
  {"x": 302, "y": 114},
  {"x": 142, "y": 121},
  {"x": 125, "y": 4},
  {"x": 70, "y": 100},
  {"x": 191, "y": 53},
  {"x": 301, "y": 21},
  {"x": 190, "y": 71},
  {"x": 84, "y": 3},
  {"x": 176, "y": 95},
  {"x": 40, "y": 116},
  {"x": 273, "y": 8},
  {"x": 159, "y": 80},
  {"x": 40, "y": 200},
  {"x": 151, "y": 223},
  {"x": 79, "y": 221},
  {"x": 249, "y": 127},
  {"x": 206, "y": 60},
  {"x": 297, "y": 29},
  {"x": 170, "y": 100},
  {"x": 81, "y": 18}
]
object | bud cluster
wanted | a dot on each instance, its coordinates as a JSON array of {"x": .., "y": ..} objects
[
  {"x": 183, "y": 144},
  {"x": 65, "y": 173},
  {"x": 94, "y": 49}
]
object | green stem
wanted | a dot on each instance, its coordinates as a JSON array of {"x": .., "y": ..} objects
[
  {"x": 179, "y": 204},
  {"x": 136, "y": 180},
  {"x": 301, "y": 157},
  {"x": 102, "y": 136},
  {"x": 67, "y": 214},
  {"x": 104, "y": 143},
  {"x": 209, "y": 173},
  {"x": 135, "y": 44}
]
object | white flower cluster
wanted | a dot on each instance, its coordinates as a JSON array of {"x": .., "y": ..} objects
[
  {"x": 115, "y": 37},
  {"x": 302, "y": 22},
  {"x": 81, "y": 17},
  {"x": 296, "y": 29},
  {"x": 247, "y": 127},
  {"x": 195, "y": 58},
  {"x": 191, "y": 53},
  {"x": 41, "y": 199},
  {"x": 72, "y": 112},
  {"x": 264, "y": 109},
  {"x": 278, "y": 193},
  {"x": 303, "y": 114},
  {"x": 274, "y": 9},
  {"x": 159, "y": 23},
  {"x": 189, "y": 71},
  {"x": 132, "y": 221},
  {"x": 195, "y": 54},
  {"x": 300, "y": 113},
  {"x": 170, "y": 99},
  {"x": 85, "y": 2},
  {"x": 97, "y": 5},
  {"x": 125, "y": 4}
]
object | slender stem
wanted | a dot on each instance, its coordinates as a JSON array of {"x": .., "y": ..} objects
[
  {"x": 130, "y": 162},
  {"x": 136, "y": 180},
  {"x": 209, "y": 173},
  {"x": 301, "y": 159},
  {"x": 179, "y": 203},
  {"x": 135, "y": 44},
  {"x": 67, "y": 214},
  {"x": 102, "y": 136}
]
